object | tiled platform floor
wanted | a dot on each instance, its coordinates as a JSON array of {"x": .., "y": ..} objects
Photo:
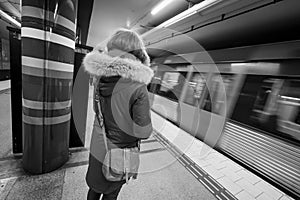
[{"x": 162, "y": 177}]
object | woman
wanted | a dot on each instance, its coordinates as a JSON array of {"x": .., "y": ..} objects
[{"x": 122, "y": 73}]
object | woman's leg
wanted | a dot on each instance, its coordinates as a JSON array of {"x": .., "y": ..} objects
[
  {"x": 92, "y": 195},
  {"x": 113, "y": 195}
]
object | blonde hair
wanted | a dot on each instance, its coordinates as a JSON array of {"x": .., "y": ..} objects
[{"x": 130, "y": 42}]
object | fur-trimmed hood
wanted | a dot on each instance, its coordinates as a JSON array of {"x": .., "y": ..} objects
[{"x": 107, "y": 65}]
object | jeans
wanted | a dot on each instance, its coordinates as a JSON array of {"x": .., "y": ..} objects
[{"x": 92, "y": 195}]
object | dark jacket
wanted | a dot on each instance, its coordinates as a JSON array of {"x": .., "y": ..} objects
[{"x": 121, "y": 82}]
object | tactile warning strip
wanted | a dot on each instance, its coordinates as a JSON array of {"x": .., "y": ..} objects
[{"x": 211, "y": 184}]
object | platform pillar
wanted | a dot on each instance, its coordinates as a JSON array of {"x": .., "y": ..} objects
[{"x": 48, "y": 43}]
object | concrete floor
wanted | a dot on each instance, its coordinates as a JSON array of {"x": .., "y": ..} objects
[{"x": 162, "y": 177}]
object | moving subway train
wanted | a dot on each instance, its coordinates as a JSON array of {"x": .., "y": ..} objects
[{"x": 246, "y": 104}]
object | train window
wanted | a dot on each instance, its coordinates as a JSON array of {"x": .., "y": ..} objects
[
  {"x": 264, "y": 111},
  {"x": 172, "y": 84},
  {"x": 288, "y": 109},
  {"x": 271, "y": 104},
  {"x": 154, "y": 85},
  {"x": 195, "y": 88},
  {"x": 244, "y": 105},
  {"x": 220, "y": 88}
]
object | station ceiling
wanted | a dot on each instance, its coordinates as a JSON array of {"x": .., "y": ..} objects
[
  {"x": 238, "y": 23},
  {"x": 108, "y": 16},
  {"x": 229, "y": 23},
  {"x": 98, "y": 19}
]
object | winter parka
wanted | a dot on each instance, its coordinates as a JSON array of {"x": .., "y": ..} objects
[{"x": 122, "y": 81}]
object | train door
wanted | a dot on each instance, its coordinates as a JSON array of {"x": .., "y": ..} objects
[
  {"x": 216, "y": 105},
  {"x": 194, "y": 93},
  {"x": 167, "y": 87}
]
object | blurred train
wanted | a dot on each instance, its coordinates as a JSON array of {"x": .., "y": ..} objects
[{"x": 244, "y": 102}]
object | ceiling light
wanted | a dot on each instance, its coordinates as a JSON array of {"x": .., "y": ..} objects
[
  {"x": 160, "y": 6},
  {"x": 197, "y": 8},
  {"x": 177, "y": 18},
  {"x": 9, "y": 18},
  {"x": 128, "y": 23}
]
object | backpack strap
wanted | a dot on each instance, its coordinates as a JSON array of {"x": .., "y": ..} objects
[{"x": 98, "y": 111}]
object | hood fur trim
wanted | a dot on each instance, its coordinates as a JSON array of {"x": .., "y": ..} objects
[{"x": 100, "y": 64}]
